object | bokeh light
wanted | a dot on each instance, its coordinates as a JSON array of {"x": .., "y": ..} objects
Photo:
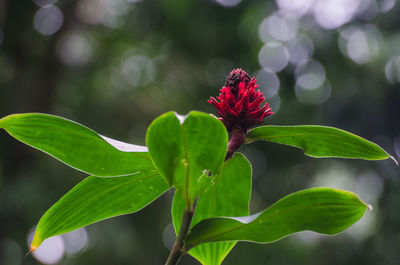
[
  {"x": 107, "y": 12},
  {"x": 268, "y": 81},
  {"x": 310, "y": 81},
  {"x": 392, "y": 70},
  {"x": 370, "y": 184},
  {"x": 74, "y": 49},
  {"x": 228, "y": 3},
  {"x": 50, "y": 251},
  {"x": 75, "y": 241},
  {"x": 333, "y": 14},
  {"x": 48, "y": 20},
  {"x": 362, "y": 45},
  {"x": 263, "y": 31},
  {"x": 168, "y": 236},
  {"x": 282, "y": 28},
  {"x": 273, "y": 56},
  {"x": 91, "y": 11},
  {"x": 308, "y": 238},
  {"x": 299, "y": 8},
  {"x": 309, "y": 92},
  {"x": 275, "y": 103},
  {"x": 336, "y": 175},
  {"x": 368, "y": 10},
  {"x": 311, "y": 84},
  {"x": 118, "y": 7},
  {"x": 386, "y": 5},
  {"x": 301, "y": 49},
  {"x": 134, "y": 70},
  {"x": 310, "y": 67},
  {"x": 44, "y": 3}
]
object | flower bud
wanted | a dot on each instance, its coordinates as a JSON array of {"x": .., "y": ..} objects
[{"x": 240, "y": 105}]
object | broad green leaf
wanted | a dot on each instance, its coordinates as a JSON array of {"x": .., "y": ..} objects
[
  {"x": 229, "y": 196},
  {"x": 320, "y": 141},
  {"x": 322, "y": 210},
  {"x": 77, "y": 145},
  {"x": 95, "y": 199},
  {"x": 189, "y": 151}
]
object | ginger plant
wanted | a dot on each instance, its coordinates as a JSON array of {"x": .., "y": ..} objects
[{"x": 212, "y": 181}]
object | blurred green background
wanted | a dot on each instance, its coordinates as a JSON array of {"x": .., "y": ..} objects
[{"x": 115, "y": 65}]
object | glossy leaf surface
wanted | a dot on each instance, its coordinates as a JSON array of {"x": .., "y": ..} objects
[
  {"x": 322, "y": 210},
  {"x": 77, "y": 145},
  {"x": 320, "y": 141},
  {"x": 187, "y": 150},
  {"x": 95, "y": 199},
  {"x": 229, "y": 196}
]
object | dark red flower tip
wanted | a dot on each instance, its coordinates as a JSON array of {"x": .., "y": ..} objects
[{"x": 240, "y": 105}]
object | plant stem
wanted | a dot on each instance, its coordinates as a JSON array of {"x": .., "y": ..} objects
[
  {"x": 178, "y": 248},
  {"x": 237, "y": 139}
]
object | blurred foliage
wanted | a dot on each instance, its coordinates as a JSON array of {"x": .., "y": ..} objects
[{"x": 115, "y": 65}]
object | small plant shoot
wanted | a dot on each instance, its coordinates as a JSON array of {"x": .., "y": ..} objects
[{"x": 197, "y": 156}]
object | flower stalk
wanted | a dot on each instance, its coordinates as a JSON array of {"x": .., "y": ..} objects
[
  {"x": 237, "y": 139},
  {"x": 178, "y": 249}
]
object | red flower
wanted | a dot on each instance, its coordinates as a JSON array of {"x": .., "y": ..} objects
[{"x": 240, "y": 104}]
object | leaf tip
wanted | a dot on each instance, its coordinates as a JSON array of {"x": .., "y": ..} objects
[
  {"x": 31, "y": 250},
  {"x": 395, "y": 161},
  {"x": 369, "y": 206},
  {"x": 3, "y": 121}
]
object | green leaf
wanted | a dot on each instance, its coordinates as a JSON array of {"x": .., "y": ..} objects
[
  {"x": 187, "y": 150},
  {"x": 322, "y": 210},
  {"x": 77, "y": 145},
  {"x": 229, "y": 196},
  {"x": 95, "y": 199},
  {"x": 320, "y": 141}
]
